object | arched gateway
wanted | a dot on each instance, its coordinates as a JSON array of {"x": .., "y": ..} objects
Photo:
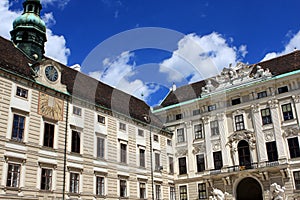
[{"x": 249, "y": 189}]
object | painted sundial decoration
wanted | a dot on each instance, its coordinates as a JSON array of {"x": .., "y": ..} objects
[{"x": 50, "y": 107}]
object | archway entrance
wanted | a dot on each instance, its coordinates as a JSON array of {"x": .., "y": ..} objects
[
  {"x": 249, "y": 189},
  {"x": 244, "y": 154}
]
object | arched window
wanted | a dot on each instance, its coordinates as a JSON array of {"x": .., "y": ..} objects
[
  {"x": 30, "y": 8},
  {"x": 244, "y": 154}
]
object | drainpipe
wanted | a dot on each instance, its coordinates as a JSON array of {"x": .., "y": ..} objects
[{"x": 65, "y": 150}]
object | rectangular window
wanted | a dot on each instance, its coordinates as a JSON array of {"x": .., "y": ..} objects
[
  {"x": 172, "y": 193},
  {"x": 75, "y": 145},
  {"x": 182, "y": 165},
  {"x": 21, "y": 92},
  {"x": 235, "y": 101},
  {"x": 74, "y": 182},
  {"x": 266, "y": 116},
  {"x": 101, "y": 119},
  {"x": 18, "y": 128},
  {"x": 218, "y": 160},
  {"x": 157, "y": 162},
  {"x": 287, "y": 112},
  {"x": 283, "y": 89},
  {"x": 140, "y": 133},
  {"x": 171, "y": 165},
  {"x": 262, "y": 94},
  {"x": 239, "y": 123},
  {"x": 178, "y": 116},
  {"x": 123, "y": 153},
  {"x": 155, "y": 138},
  {"x": 123, "y": 188},
  {"x": 13, "y": 175},
  {"x": 142, "y": 190},
  {"x": 198, "y": 131},
  {"x": 212, "y": 107},
  {"x": 142, "y": 158},
  {"x": 202, "y": 191},
  {"x": 180, "y": 135},
  {"x": 214, "y": 127},
  {"x": 294, "y": 147},
  {"x": 122, "y": 126},
  {"x": 100, "y": 186},
  {"x": 48, "y": 135},
  {"x": 100, "y": 147},
  {"x": 272, "y": 151},
  {"x": 169, "y": 142},
  {"x": 76, "y": 110},
  {"x": 196, "y": 112},
  {"x": 157, "y": 192},
  {"x": 200, "y": 163},
  {"x": 46, "y": 179},
  {"x": 297, "y": 180},
  {"x": 183, "y": 192}
]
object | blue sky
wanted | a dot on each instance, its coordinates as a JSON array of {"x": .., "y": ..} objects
[{"x": 192, "y": 39}]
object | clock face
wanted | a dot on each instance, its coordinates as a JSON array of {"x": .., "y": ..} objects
[{"x": 51, "y": 73}]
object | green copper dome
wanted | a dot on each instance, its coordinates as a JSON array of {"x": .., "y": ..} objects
[{"x": 30, "y": 19}]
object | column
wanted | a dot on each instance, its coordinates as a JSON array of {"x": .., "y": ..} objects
[
  {"x": 260, "y": 142},
  {"x": 189, "y": 141},
  {"x": 277, "y": 129},
  {"x": 209, "y": 153},
  {"x": 223, "y": 133}
]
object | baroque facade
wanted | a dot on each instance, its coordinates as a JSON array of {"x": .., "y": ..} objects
[
  {"x": 236, "y": 135},
  {"x": 64, "y": 135}
]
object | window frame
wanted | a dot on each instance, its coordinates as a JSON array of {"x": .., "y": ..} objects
[
  {"x": 100, "y": 147},
  {"x": 288, "y": 114},
  {"x": 214, "y": 127},
  {"x": 101, "y": 119},
  {"x": 236, "y": 101},
  {"x": 77, "y": 111},
  {"x": 200, "y": 160},
  {"x": 75, "y": 141},
  {"x": 22, "y": 92},
  {"x": 142, "y": 190},
  {"x": 294, "y": 150},
  {"x": 182, "y": 166},
  {"x": 218, "y": 163},
  {"x": 183, "y": 193},
  {"x": 262, "y": 94},
  {"x": 142, "y": 157},
  {"x": 296, "y": 176},
  {"x": 74, "y": 182},
  {"x": 158, "y": 194},
  {"x": 265, "y": 117},
  {"x": 100, "y": 185},
  {"x": 122, "y": 126},
  {"x": 123, "y": 153},
  {"x": 123, "y": 188},
  {"x": 211, "y": 107},
  {"x": 18, "y": 127},
  {"x": 239, "y": 122},
  {"x": 202, "y": 191},
  {"x": 49, "y": 140},
  {"x": 198, "y": 132},
  {"x": 283, "y": 89},
  {"x": 172, "y": 193},
  {"x": 46, "y": 179},
  {"x": 181, "y": 137},
  {"x": 272, "y": 152},
  {"x": 157, "y": 162},
  {"x": 171, "y": 164},
  {"x": 14, "y": 175}
]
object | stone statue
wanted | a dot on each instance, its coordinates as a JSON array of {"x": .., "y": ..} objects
[
  {"x": 218, "y": 194},
  {"x": 277, "y": 192},
  {"x": 208, "y": 88}
]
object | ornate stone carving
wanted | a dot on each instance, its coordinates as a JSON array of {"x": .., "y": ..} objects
[
  {"x": 181, "y": 152},
  {"x": 261, "y": 73},
  {"x": 290, "y": 131},
  {"x": 220, "y": 116},
  {"x": 255, "y": 107},
  {"x": 218, "y": 194},
  {"x": 199, "y": 148},
  {"x": 205, "y": 119},
  {"x": 273, "y": 103},
  {"x": 188, "y": 124},
  {"x": 238, "y": 112},
  {"x": 277, "y": 192},
  {"x": 242, "y": 135},
  {"x": 269, "y": 136},
  {"x": 208, "y": 87},
  {"x": 296, "y": 98},
  {"x": 216, "y": 145}
]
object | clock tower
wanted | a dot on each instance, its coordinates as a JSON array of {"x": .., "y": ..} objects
[{"x": 29, "y": 30}]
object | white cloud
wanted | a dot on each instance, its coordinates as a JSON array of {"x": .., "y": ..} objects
[
  {"x": 199, "y": 57},
  {"x": 48, "y": 18},
  {"x": 55, "y": 46},
  {"x": 293, "y": 43},
  {"x": 59, "y": 3},
  {"x": 118, "y": 71}
]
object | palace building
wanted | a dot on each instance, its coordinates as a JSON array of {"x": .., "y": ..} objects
[{"x": 65, "y": 135}]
